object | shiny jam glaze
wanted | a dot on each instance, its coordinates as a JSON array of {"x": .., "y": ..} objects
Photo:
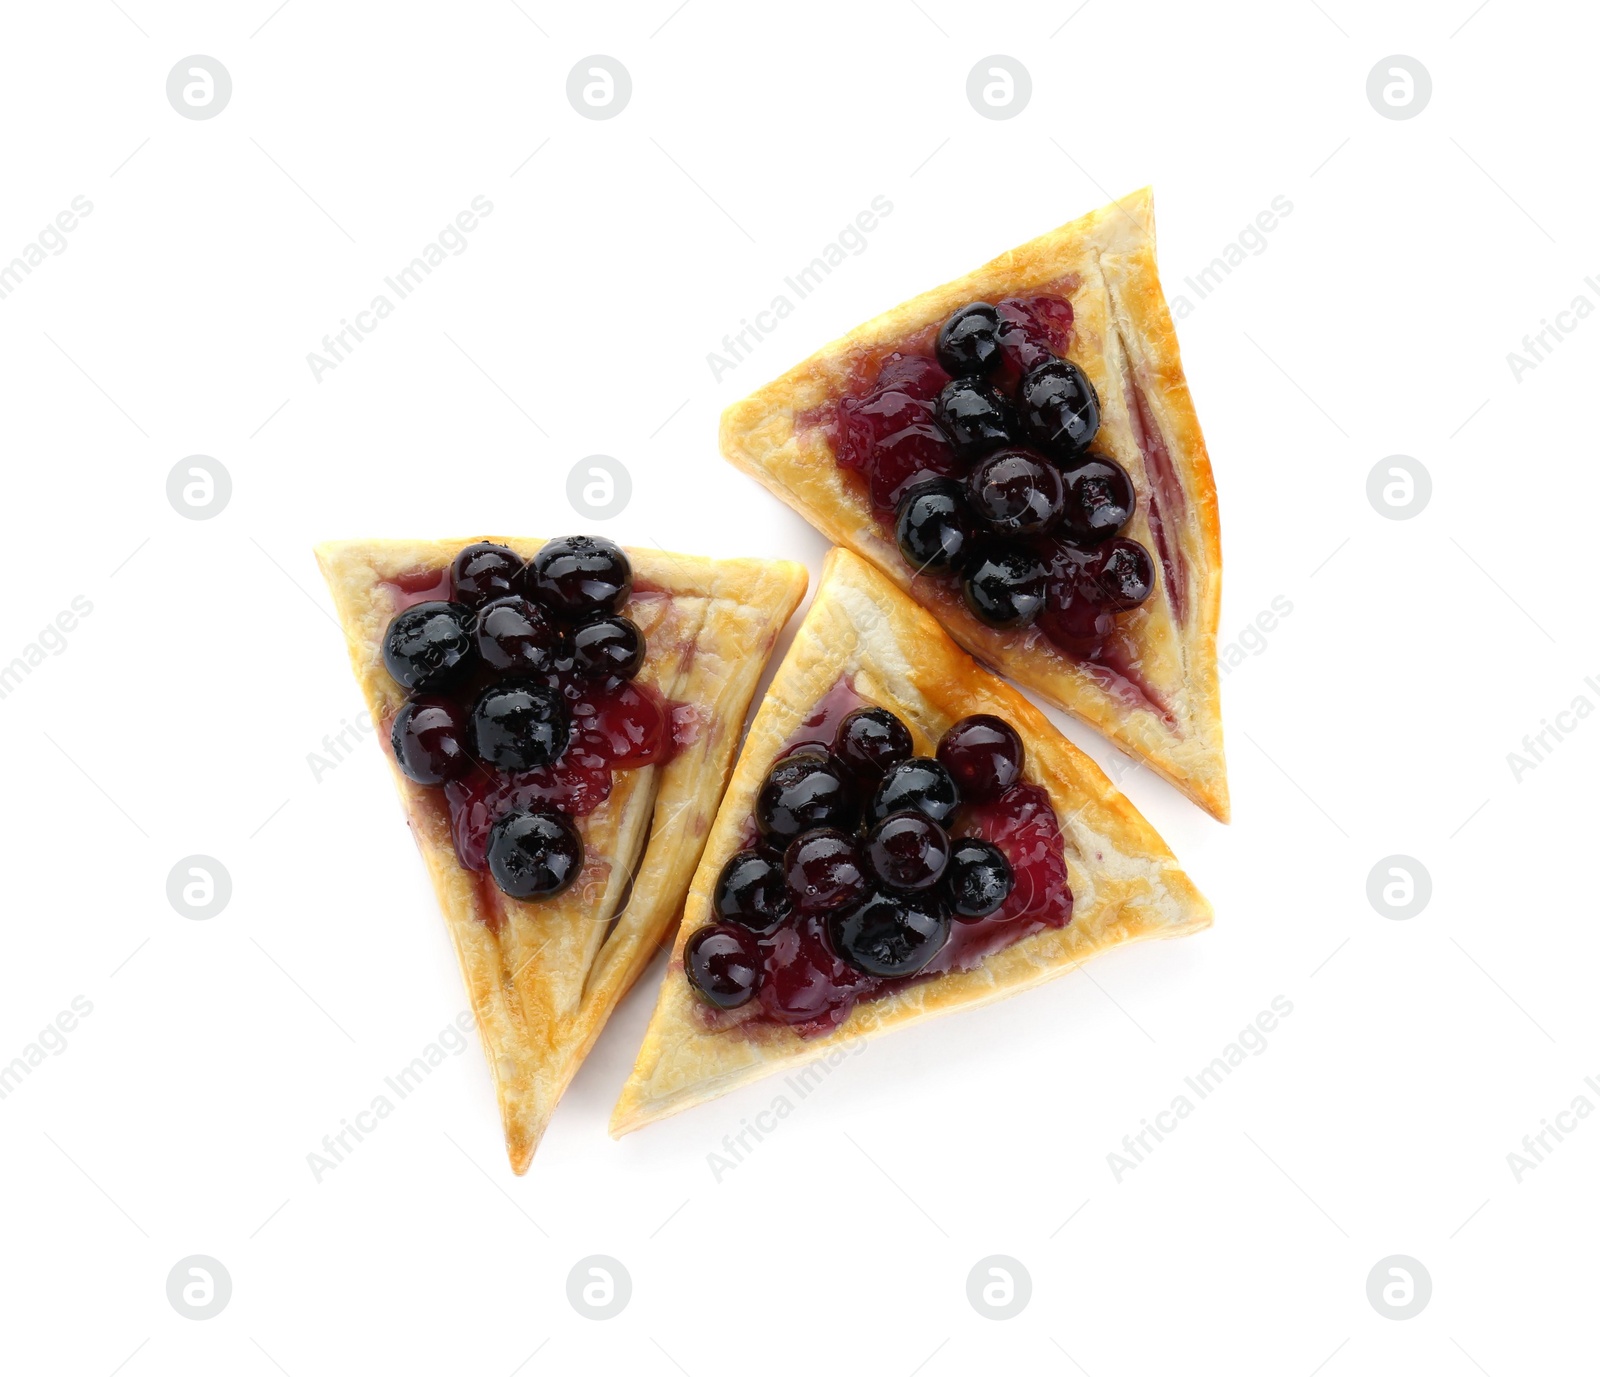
[
  {"x": 615, "y": 725},
  {"x": 804, "y": 983},
  {"x": 883, "y": 429}
]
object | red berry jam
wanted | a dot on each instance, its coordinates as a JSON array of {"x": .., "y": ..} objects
[
  {"x": 522, "y": 697},
  {"x": 862, "y": 908},
  {"x": 974, "y": 443}
]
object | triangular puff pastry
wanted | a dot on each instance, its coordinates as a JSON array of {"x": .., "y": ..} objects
[
  {"x": 865, "y": 631},
  {"x": 1165, "y": 711},
  {"x": 544, "y": 976}
]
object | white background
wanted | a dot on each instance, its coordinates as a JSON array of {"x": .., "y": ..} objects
[{"x": 1376, "y": 720}]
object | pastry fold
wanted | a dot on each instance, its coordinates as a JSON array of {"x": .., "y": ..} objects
[
  {"x": 543, "y": 977},
  {"x": 1168, "y": 712},
  {"x": 861, "y": 628}
]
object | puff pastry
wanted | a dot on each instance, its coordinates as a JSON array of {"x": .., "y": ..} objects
[
  {"x": 544, "y": 977},
  {"x": 1123, "y": 339},
  {"x": 1126, "y": 884}
]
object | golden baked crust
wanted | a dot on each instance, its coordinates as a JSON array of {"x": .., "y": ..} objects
[
  {"x": 544, "y": 976},
  {"x": 1125, "y": 883},
  {"x": 1123, "y": 339}
]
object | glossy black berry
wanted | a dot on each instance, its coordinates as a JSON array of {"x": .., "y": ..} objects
[
  {"x": 723, "y": 964},
  {"x": 1058, "y": 408},
  {"x": 802, "y": 792},
  {"x": 870, "y": 740},
  {"x": 429, "y": 738},
  {"x": 918, "y": 785},
  {"x": 515, "y": 636},
  {"x": 978, "y": 879},
  {"x": 891, "y": 935},
  {"x": 1100, "y": 500},
  {"x": 984, "y": 755},
  {"x": 534, "y": 855},
  {"x": 823, "y": 871},
  {"x": 969, "y": 342},
  {"x": 907, "y": 851},
  {"x": 428, "y": 645},
  {"x": 933, "y": 526},
  {"x": 608, "y": 646},
  {"x": 483, "y": 572},
  {"x": 1118, "y": 575},
  {"x": 1003, "y": 585},
  {"x": 581, "y": 576},
  {"x": 974, "y": 416},
  {"x": 519, "y": 725},
  {"x": 1016, "y": 492},
  {"x": 750, "y": 891}
]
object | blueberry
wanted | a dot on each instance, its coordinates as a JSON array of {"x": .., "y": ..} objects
[
  {"x": 1003, "y": 585},
  {"x": 534, "y": 855},
  {"x": 514, "y": 636},
  {"x": 802, "y": 792},
  {"x": 750, "y": 891},
  {"x": 1058, "y": 407},
  {"x": 891, "y": 935},
  {"x": 1016, "y": 492},
  {"x": 1100, "y": 500},
  {"x": 483, "y": 572},
  {"x": 978, "y": 879},
  {"x": 608, "y": 646},
  {"x": 428, "y": 644},
  {"x": 907, "y": 851},
  {"x": 429, "y": 738},
  {"x": 519, "y": 725},
  {"x": 984, "y": 755},
  {"x": 823, "y": 871},
  {"x": 723, "y": 964},
  {"x": 581, "y": 576},
  {"x": 933, "y": 526},
  {"x": 969, "y": 342},
  {"x": 1119, "y": 575},
  {"x": 918, "y": 785},
  {"x": 974, "y": 416},
  {"x": 870, "y": 740}
]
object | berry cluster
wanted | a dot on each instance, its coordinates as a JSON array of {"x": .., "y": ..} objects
[
  {"x": 509, "y": 681},
  {"x": 980, "y": 456},
  {"x": 859, "y": 870}
]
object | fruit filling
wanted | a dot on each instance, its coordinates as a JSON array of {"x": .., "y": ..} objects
[
  {"x": 868, "y": 866},
  {"x": 523, "y": 701},
  {"x": 976, "y": 444}
]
